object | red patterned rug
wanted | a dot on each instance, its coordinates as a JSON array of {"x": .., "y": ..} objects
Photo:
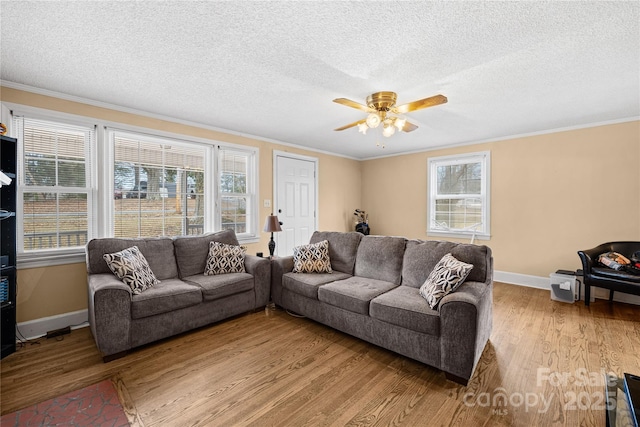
[{"x": 97, "y": 405}]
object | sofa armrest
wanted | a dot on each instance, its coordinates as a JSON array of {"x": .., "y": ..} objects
[
  {"x": 260, "y": 269},
  {"x": 109, "y": 313},
  {"x": 279, "y": 267},
  {"x": 466, "y": 319},
  {"x": 589, "y": 257}
]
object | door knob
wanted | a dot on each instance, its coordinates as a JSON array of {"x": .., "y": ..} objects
[{"x": 279, "y": 210}]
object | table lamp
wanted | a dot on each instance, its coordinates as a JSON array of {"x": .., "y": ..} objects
[{"x": 272, "y": 225}]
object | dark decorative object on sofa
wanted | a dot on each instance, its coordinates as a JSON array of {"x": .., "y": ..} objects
[
  {"x": 363, "y": 227},
  {"x": 598, "y": 275},
  {"x": 363, "y": 222}
]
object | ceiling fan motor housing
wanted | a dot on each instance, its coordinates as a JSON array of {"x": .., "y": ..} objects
[{"x": 382, "y": 101}]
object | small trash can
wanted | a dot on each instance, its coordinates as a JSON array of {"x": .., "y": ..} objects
[{"x": 563, "y": 287}]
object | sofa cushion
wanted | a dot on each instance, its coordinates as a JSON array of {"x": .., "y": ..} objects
[
  {"x": 380, "y": 258},
  {"x": 312, "y": 258},
  {"x": 157, "y": 250},
  {"x": 224, "y": 259},
  {"x": 354, "y": 293},
  {"x": 421, "y": 256},
  {"x": 342, "y": 248},
  {"x": 404, "y": 307},
  {"x": 307, "y": 284},
  {"x": 445, "y": 278},
  {"x": 166, "y": 296},
  {"x": 130, "y": 266},
  {"x": 192, "y": 251},
  {"x": 222, "y": 285}
]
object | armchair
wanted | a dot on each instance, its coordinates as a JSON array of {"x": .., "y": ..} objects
[{"x": 603, "y": 277}]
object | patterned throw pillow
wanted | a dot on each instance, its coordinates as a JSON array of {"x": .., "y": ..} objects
[
  {"x": 445, "y": 278},
  {"x": 313, "y": 258},
  {"x": 132, "y": 268},
  {"x": 224, "y": 258}
]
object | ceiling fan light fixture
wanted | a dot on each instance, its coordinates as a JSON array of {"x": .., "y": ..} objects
[
  {"x": 388, "y": 130},
  {"x": 399, "y": 123},
  {"x": 362, "y": 128},
  {"x": 373, "y": 120}
]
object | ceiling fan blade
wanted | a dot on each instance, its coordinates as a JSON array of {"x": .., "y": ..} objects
[
  {"x": 353, "y": 104},
  {"x": 409, "y": 127},
  {"x": 350, "y": 125},
  {"x": 420, "y": 104}
]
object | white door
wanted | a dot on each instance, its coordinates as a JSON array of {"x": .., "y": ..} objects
[{"x": 295, "y": 201}]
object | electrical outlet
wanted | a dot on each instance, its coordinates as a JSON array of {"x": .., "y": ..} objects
[{"x": 267, "y": 203}]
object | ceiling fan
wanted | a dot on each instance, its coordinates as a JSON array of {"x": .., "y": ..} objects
[{"x": 381, "y": 107}]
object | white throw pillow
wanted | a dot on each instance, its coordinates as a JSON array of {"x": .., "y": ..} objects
[
  {"x": 312, "y": 258},
  {"x": 130, "y": 266},
  {"x": 444, "y": 279},
  {"x": 224, "y": 259}
]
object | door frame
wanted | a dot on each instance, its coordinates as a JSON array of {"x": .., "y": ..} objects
[{"x": 278, "y": 153}]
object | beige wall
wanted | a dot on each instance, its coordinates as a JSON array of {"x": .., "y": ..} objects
[
  {"x": 50, "y": 291},
  {"x": 551, "y": 195}
]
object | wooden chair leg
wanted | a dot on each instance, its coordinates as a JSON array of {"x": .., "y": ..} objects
[
  {"x": 587, "y": 295},
  {"x": 610, "y": 296}
]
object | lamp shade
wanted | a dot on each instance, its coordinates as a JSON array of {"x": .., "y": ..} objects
[
  {"x": 373, "y": 120},
  {"x": 272, "y": 224}
]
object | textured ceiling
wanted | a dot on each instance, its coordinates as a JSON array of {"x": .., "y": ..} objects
[{"x": 271, "y": 69}]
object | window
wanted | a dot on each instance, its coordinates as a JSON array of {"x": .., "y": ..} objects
[
  {"x": 235, "y": 190},
  {"x": 78, "y": 180},
  {"x": 54, "y": 185},
  {"x": 159, "y": 186},
  {"x": 459, "y": 195}
]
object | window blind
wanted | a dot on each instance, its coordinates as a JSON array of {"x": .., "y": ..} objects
[
  {"x": 54, "y": 184},
  {"x": 159, "y": 186}
]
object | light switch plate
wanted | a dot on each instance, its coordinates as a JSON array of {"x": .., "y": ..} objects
[{"x": 267, "y": 203}]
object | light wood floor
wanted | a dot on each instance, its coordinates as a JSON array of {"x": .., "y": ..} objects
[{"x": 271, "y": 369}]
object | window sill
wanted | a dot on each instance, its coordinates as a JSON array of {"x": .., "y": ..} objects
[
  {"x": 46, "y": 260},
  {"x": 458, "y": 235},
  {"x": 37, "y": 260},
  {"x": 248, "y": 239}
]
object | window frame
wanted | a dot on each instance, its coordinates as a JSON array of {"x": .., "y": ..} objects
[
  {"x": 101, "y": 181},
  {"x": 178, "y": 141},
  {"x": 46, "y": 257},
  {"x": 252, "y": 234},
  {"x": 482, "y": 232}
]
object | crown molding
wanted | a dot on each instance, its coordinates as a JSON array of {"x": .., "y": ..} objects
[
  {"x": 101, "y": 104},
  {"x": 122, "y": 109},
  {"x": 516, "y": 136}
]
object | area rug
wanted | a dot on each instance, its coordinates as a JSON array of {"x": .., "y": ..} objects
[{"x": 97, "y": 405}]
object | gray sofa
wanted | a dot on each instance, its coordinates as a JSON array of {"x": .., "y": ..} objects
[
  {"x": 184, "y": 299},
  {"x": 373, "y": 294}
]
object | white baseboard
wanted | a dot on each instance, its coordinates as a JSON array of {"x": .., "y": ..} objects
[
  {"x": 39, "y": 327},
  {"x": 521, "y": 279},
  {"x": 544, "y": 283}
]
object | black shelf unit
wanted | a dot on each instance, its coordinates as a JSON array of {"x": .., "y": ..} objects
[{"x": 8, "y": 246}]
